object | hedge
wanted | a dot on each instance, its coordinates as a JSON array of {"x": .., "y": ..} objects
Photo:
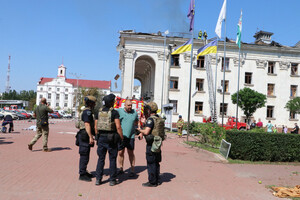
[{"x": 258, "y": 146}]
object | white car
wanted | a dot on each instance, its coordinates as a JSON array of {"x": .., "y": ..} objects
[{"x": 7, "y": 112}]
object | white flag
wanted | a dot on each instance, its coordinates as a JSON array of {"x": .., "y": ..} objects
[{"x": 220, "y": 20}]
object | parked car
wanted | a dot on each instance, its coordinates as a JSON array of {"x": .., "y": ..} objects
[
  {"x": 9, "y": 112},
  {"x": 1, "y": 116},
  {"x": 23, "y": 112},
  {"x": 58, "y": 115},
  {"x": 52, "y": 115}
]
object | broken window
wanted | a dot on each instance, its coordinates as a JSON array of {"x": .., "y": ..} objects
[
  {"x": 293, "y": 90},
  {"x": 175, "y": 60},
  {"x": 225, "y": 108},
  {"x": 199, "y": 84},
  {"x": 270, "y": 111},
  {"x": 226, "y": 85},
  {"x": 200, "y": 62},
  {"x": 271, "y": 87},
  {"x": 226, "y": 64},
  {"x": 174, "y": 83},
  {"x": 271, "y": 67},
  {"x": 248, "y": 77},
  {"x": 198, "y": 107},
  {"x": 294, "y": 69}
]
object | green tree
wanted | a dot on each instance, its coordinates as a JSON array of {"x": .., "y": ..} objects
[
  {"x": 83, "y": 92},
  {"x": 293, "y": 105},
  {"x": 249, "y": 101}
]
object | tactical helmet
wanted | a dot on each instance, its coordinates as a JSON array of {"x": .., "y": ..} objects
[
  {"x": 109, "y": 99},
  {"x": 180, "y": 116},
  {"x": 153, "y": 106},
  {"x": 89, "y": 99}
]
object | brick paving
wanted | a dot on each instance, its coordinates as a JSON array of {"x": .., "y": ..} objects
[{"x": 187, "y": 173}]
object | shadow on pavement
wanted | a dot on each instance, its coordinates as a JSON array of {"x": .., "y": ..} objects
[
  {"x": 166, "y": 177},
  {"x": 60, "y": 148},
  {"x": 126, "y": 175},
  {"x": 2, "y": 140}
]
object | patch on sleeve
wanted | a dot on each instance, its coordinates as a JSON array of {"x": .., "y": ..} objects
[
  {"x": 149, "y": 121},
  {"x": 89, "y": 113}
]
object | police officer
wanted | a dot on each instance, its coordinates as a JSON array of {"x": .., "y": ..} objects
[
  {"x": 109, "y": 133},
  {"x": 84, "y": 137},
  {"x": 154, "y": 127}
]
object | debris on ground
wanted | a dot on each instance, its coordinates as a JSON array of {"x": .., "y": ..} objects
[{"x": 286, "y": 192}]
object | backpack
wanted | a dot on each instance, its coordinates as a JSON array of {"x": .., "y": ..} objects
[{"x": 104, "y": 121}]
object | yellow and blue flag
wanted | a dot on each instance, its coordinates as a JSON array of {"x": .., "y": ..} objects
[
  {"x": 207, "y": 49},
  {"x": 183, "y": 48}
]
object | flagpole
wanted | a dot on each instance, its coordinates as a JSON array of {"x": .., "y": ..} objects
[
  {"x": 189, "y": 104},
  {"x": 215, "y": 100},
  {"x": 238, "y": 88},
  {"x": 224, "y": 68}
]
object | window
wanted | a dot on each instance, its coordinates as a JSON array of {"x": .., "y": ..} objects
[
  {"x": 293, "y": 90},
  {"x": 199, "y": 108},
  {"x": 200, "y": 62},
  {"x": 271, "y": 89},
  {"x": 49, "y": 103},
  {"x": 66, "y": 97},
  {"x": 175, "y": 60},
  {"x": 294, "y": 69},
  {"x": 199, "y": 84},
  {"x": 57, "y": 89},
  {"x": 75, "y": 90},
  {"x": 174, "y": 83},
  {"x": 57, "y": 96},
  {"x": 50, "y": 88},
  {"x": 66, "y": 105},
  {"x": 174, "y": 102},
  {"x": 270, "y": 111},
  {"x": 49, "y": 96},
  {"x": 66, "y": 90},
  {"x": 271, "y": 67},
  {"x": 292, "y": 115},
  {"x": 248, "y": 77},
  {"x": 225, "y": 108},
  {"x": 226, "y": 64},
  {"x": 57, "y": 104},
  {"x": 226, "y": 85},
  {"x": 41, "y": 89},
  {"x": 41, "y": 96}
]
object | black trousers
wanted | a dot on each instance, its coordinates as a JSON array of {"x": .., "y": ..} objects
[
  {"x": 105, "y": 146},
  {"x": 84, "y": 152},
  {"x": 153, "y": 167}
]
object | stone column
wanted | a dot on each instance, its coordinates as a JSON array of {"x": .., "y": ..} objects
[{"x": 128, "y": 73}]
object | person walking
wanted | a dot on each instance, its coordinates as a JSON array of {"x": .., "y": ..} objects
[
  {"x": 42, "y": 124},
  {"x": 154, "y": 135},
  {"x": 179, "y": 125},
  {"x": 269, "y": 127},
  {"x": 295, "y": 129},
  {"x": 129, "y": 121},
  {"x": 109, "y": 132},
  {"x": 85, "y": 137}
]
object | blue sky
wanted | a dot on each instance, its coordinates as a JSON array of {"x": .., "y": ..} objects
[{"x": 38, "y": 33}]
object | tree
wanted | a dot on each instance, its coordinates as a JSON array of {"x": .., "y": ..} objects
[
  {"x": 83, "y": 92},
  {"x": 249, "y": 101},
  {"x": 293, "y": 105}
]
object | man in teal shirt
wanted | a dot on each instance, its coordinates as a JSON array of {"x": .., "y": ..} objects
[{"x": 129, "y": 121}]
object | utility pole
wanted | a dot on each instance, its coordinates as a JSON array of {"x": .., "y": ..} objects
[
  {"x": 77, "y": 76},
  {"x": 7, "y": 88}
]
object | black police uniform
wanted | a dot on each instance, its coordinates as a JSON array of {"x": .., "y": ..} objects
[
  {"x": 83, "y": 139},
  {"x": 153, "y": 159},
  {"x": 103, "y": 146}
]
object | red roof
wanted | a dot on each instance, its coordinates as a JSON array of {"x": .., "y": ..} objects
[{"x": 82, "y": 83}]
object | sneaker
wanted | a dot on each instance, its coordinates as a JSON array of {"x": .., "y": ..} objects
[
  {"x": 149, "y": 185},
  {"x": 30, "y": 147},
  {"x": 113, "y": 183},
  {"x": 98, "y": 182},
  {"x": 85, "y": 178}
]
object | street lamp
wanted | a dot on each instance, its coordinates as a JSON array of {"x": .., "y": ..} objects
[{"x": 77, "y": 76}]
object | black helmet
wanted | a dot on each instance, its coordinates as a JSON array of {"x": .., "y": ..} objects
[{"x": 109, "y": 100}]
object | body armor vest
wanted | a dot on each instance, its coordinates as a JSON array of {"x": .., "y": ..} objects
[
  {"x": 79, "y": 123},
  {"x": 104, "y": 121},
  {"x": 159, "y": 127}
]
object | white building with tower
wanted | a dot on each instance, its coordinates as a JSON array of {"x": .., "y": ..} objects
[
  {"x": 266, "y": 66},
  {"x": 61, "y": 91}
]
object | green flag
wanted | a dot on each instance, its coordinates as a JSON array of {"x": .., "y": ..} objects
[{"x": 239, "y": 33}]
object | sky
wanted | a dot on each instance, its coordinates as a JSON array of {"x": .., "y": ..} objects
[{"x": 83, "y": 34}]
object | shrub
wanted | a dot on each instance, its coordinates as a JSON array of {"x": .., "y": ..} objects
[{"x": 261, "y": 146}]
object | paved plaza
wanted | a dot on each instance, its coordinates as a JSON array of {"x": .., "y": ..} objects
[{"x": 187, "y": 173}]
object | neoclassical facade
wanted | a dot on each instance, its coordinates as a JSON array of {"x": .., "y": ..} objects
[
  {"x": 265, "y": 66},
  {"x": 61, "y": 91}
]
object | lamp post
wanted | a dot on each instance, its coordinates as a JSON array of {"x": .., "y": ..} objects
[
  {"x": 77, "y": 76},
  {"x": 163, "y": 72}
]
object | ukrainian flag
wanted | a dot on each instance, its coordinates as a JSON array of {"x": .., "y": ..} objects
[
  {"x": 183, "y": 48},
  {"x": 207, "y": 49}
]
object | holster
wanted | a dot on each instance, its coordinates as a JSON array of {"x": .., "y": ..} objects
[{"x": 149, "y": 139}]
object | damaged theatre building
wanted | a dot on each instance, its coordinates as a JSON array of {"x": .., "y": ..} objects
[{"x": 265, "y": 66}]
